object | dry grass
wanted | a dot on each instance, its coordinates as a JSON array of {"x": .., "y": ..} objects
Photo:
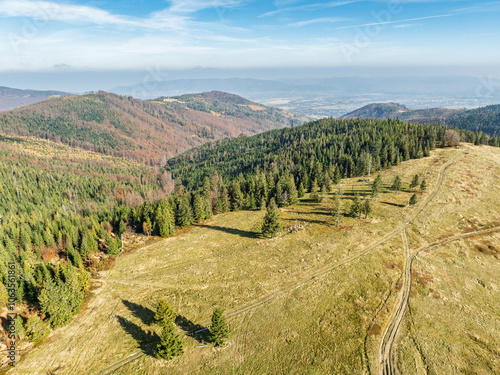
[{"x": 302, "y": 320}]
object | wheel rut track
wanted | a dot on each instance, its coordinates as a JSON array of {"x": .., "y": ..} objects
[
  {"x": 386, "y": 352},
  {"x": 307, "y": 278}
]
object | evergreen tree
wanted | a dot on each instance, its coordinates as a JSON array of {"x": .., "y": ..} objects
[
  {"x": 337, "y": 202},
  {"x": 198, "y": 209},
  {"x": 183, "y": 214},
  {"x": 366, "y": 207},
  {"x": 377, "y": 186},
  {"x": 302, "y": 190},
  {"x": 36, "y": 330},
  {"x": 164, "y": 313},
  {"x": 337, "y": 177},
  {"x": 293, "y": 196},
  {"x": 423, "y": 185},
  {"x": 164, "y": 219},
  {"x": 414, "y": 182},
  {"x": 413, "y": 200},
  {"x": 271, "y": 223},
  {"x": 355, "y": 210},
  {"x": 122, "y": 227},
  {"x": 237, "y": 197},
  {"x": 397, "y": 184},
  {"x": 219, "y": 330},
  {"x": 170, "y": 344}
]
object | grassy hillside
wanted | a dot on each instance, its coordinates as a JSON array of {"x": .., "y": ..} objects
[
  {"x": 484, "y": 119},
  {"x": 317, "y": 300},
  {"x": 149, "y": 131}
]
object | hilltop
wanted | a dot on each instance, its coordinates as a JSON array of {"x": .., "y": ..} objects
[
  {"x": 485, "y": 119},
  {"x": 322, "y": 299},
  {"x": 151, "y": 131},
  {"x": 11, "y": 98}
]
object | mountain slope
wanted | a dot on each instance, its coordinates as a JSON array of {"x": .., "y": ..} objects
[
  {"x": 485, "y": 119},
  {"x": 151, "y": 131},
  {"x": 11, "y": 98}
]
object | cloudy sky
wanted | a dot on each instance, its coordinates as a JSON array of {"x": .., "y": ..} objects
[{"x": 76, "y": 35}]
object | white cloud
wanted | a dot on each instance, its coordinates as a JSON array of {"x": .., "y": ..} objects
[
  {"x": 309, "y": 7},
  {"x": 391, "y": 22},
  {"x": 318, "y": 20}
]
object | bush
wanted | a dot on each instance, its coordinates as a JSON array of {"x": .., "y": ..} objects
[{"x": 36, "y": 330}]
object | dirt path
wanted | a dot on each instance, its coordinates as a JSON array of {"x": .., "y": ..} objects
[
  {"x": 311, "y": 276},
  {"x": 387, "y": 364},
  {"x": 386, "y": 345}
]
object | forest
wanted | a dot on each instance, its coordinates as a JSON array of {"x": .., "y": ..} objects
[{"x": 61, "y": 217}]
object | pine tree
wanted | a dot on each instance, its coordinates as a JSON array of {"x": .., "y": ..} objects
[
  {"x": 122, "y": 227},
  {"x": 336, "y": 176},
  {"x": 271, "y": 223},
  {"x": 198, "y": 209},
  {"x": 292, "y": 190},
  {"x": 414, "y": 182},
  {"x": 219, "y": 330},
  {"x": 413, "y": 200},
  {"x": 366, "y": 207},
  {"x": 164, "y": 313},
  {"x": 302, "y": 190},
  {"x": 184, "y": 216},
  {"x": 170, "y": 344},
  {"x": 355, "y": 210},
  {"x": 377, "y": 186},
  {"x": 423, "y": 185},
  {"x": 397, "y": 184},
  {"x": 337, "y": 202}
]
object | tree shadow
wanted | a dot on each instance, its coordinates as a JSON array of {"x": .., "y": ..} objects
[
  {"x": 196, "y": 331},
  {"x": 146, "y": 315},
  {"x": 393, "y": 204},
  {"x": 147, "y": 340},
  {"x": 238, "y": 232}
]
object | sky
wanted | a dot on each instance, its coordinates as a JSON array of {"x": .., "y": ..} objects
[{"x": 71, "y": 36}]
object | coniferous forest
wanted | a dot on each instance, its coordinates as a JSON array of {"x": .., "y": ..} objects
[{"x": 61, "y": 218}]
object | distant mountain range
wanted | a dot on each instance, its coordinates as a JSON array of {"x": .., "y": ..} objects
[
  {"x": 249, "y": 87},
  {"x": 485, "y": 119},
  {"x": 11, "y": 98},
  {"x": 151, "y": 131}
]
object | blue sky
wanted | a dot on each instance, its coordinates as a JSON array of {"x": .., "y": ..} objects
[{"x": 72, "y": 35}]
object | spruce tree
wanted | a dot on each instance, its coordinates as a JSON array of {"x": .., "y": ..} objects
[
  {"x": 293, "y": 196},
  {"x": 336, "y": 176},
  {"x": 164, "y": 313},
  {"x": 355, "y": 210},
  {"x": 414, "y": 182},
  {"x": 170, "y": 344},
  {"x": 198, "y": 209},
  {"x": 377, "y": 186},
  {"x": 271, "y": 223},
  {"x": 413, "y": 200},
  {"x": 366, "y": 207},
  {"x": 423, "y": 185},
  {"x": 302, "y": 191},
  {"x": 219, "y": 330},
  {"x": 184, "y": 216},
  {"x": 397, "y": 184}
]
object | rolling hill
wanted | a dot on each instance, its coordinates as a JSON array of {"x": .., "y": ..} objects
[
  {"x": 151, "y": 131},
  {"x": 485, "y": 119},
  {"x": 11, "y": 98}
]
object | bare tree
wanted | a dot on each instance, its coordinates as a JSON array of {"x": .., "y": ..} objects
[{"x": 451, "y": 138}]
